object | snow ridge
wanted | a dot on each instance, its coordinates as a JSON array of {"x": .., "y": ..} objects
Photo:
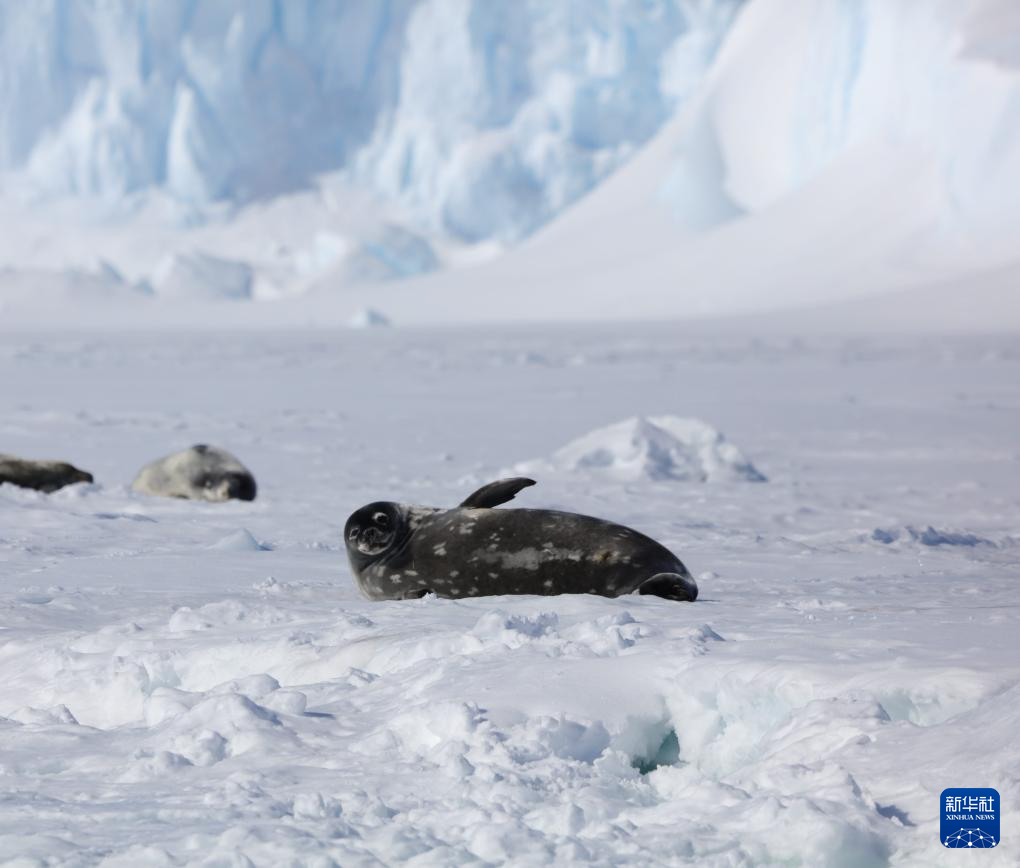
[{"x": 656, "y": 448}]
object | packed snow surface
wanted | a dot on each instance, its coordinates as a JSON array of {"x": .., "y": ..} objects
[
  {"x": 656, "y": 448},
  {"x": 185, "y": 682}
]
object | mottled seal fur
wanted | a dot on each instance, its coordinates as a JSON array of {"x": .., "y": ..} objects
[
  {"x": 41, "y": 475},
  {"x": 401, "y": 552},
  {"x": 199, "y": 473}
]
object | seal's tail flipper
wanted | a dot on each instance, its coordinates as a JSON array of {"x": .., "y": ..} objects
[
  {"x": 496, "y": 493},
  {"x": 671, "y": 586}
]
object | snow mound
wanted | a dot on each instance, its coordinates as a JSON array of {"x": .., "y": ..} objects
[
  {"x": 201, "y": 276},
  {"x": 376, "y": 254},
  {"x": 367, "y": 318},
  {"x": 240, "y": 540},
  {"x": 653, "y": 448}
]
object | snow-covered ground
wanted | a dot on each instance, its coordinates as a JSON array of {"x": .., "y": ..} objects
[{"x": 198, "y": 683}]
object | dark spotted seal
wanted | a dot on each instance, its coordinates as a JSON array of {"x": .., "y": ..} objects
[
  {"x": 199, "y": 473},
  {"x": 41, "y": 475},
  {"x": 400, "y": 552}
]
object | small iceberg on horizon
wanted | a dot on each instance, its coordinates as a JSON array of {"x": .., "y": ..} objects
[{"x": 368, "y": 318}]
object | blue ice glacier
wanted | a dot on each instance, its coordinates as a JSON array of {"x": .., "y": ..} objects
[
  {"x": 485, "y": 118},
  {"x": 482, "y": 117}
]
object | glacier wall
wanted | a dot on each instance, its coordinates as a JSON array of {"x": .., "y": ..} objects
[
  {"x": 210, "y": 100},
  {"x": 483, "y": 117},
  {"x": 507, "y": 112}
]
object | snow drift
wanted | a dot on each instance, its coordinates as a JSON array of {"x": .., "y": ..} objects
[{"x": 655, "y": 448}]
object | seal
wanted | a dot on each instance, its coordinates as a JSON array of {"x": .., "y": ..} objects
[
  {"x": 400, "y": 552},
  {"x": 199, "y": 473},
  {"x": 41, "y": 475}
]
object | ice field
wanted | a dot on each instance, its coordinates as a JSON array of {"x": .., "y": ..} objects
[{"x": 202, "y": 684}]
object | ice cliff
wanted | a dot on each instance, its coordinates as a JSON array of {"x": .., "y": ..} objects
[{"x": 484, "y": 117}]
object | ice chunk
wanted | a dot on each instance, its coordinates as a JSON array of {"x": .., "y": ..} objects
[
  {"x": 389, "y": 252},
  {"x": 201, "y": 276},
  {"x": 368, "y": 318}
]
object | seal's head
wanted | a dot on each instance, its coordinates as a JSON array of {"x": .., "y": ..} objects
[
  {"x": 217, "y": 475},
  {"x": 76, "y": 475},
  {"x": 373, "y": 532},
  {"x": 230, "y": 485}
]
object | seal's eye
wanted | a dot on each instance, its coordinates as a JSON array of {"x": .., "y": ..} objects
[
  {"x": 354, "y": 533},
  {"x": 381, "y": 519}
]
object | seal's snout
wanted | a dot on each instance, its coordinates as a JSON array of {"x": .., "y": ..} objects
[
  {"x": 371, "y": 531},
  {"x": 671, "y": 586},
  {"x": 241, "y": 487},
  {"x": 373, "y": 540}
]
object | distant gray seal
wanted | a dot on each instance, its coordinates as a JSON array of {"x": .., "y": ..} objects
[
  {"x": 400, "y": 552},
  {"x": 41, "y": 475},
  {"x": 199, "y": 473}
]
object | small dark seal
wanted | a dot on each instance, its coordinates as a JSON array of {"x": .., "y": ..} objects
[
  {"x": 400, "y": 552},
  {"x": 199, "y": 473},
  {"x": 41, "y": 475}
]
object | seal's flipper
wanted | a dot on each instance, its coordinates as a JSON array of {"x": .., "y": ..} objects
[
  {"x": 671, "y": 586},
  {"x": 496, "y": 493}
]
